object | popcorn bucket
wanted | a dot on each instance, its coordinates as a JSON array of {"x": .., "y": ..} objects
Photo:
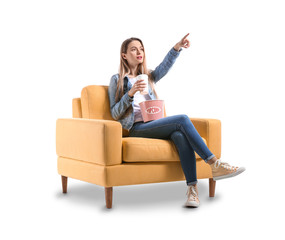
[{"x": 152, "y": 110}]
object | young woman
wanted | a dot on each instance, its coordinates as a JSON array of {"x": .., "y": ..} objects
[{"x": 124, "y": 96}]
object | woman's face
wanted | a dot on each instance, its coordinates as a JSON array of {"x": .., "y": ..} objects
[{"x": 135, "y": 53}]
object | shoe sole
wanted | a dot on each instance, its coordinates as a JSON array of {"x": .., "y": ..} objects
[
  {"x": 192, "y": 204},
  {"x": 239, "y": 171}
]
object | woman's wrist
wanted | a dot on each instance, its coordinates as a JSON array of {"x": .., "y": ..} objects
[
  {"x": 176, "y": 47},
  {"x": 130, "y": 95}
]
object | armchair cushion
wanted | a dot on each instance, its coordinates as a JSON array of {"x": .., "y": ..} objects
[{"x": 136, "y": 149}]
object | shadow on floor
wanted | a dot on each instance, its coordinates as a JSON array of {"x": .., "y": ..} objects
[{"x": 130, "y": 197}]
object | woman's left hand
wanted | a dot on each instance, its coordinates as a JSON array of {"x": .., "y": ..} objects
[{"x": 185, "y": 43}]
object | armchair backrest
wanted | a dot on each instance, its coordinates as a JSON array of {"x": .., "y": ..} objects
[{"x": 94, "y": 104}]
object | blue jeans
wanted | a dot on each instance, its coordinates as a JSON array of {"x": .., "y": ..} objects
[{"x": 182, "y": 132}]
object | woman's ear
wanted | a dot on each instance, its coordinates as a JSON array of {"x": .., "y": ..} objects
[{"x": 124, "y": 56}]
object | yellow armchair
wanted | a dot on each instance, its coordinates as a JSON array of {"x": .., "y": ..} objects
[{"x": 94, "y": 148}]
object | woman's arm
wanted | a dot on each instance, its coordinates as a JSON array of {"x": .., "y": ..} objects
[
  {"x": 163, "y": 68},
  {"x": 118, "y": 109}
]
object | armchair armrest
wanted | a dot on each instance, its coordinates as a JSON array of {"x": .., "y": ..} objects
[
  {"x": 210, "y": 129},
  {"x": 90, "y": 140}
]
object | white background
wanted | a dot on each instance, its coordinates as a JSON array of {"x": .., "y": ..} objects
[{"x": 233, "y": 71}]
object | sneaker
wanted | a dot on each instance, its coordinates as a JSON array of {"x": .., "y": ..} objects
[
  {"x": 192, "y": 197},
  {"x": 221, "y": 170}
]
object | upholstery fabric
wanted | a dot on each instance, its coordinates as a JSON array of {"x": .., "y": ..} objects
[
  {"x": 127, "y": 173},
  {"x": 95, "y": 102},
  {"x": 137, "y": 149},
  {"x": 91, "y": 140},
  {"x": 76, "y": 108},
  {"x": 93, "y": 147}
]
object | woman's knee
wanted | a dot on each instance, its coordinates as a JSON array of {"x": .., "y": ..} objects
[
  {"x": 184, "y": 119},
  {"x": 177, "y": 135},
  {"x": 182, "y": 116}
]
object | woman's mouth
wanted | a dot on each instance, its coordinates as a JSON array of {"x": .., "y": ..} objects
[{"x": 139, "y": 57}]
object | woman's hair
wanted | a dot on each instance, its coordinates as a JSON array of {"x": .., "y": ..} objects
[{"x": 125, "y": 70}]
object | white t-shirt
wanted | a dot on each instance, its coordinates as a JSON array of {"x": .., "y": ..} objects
[{"x": 138, "y": 98}]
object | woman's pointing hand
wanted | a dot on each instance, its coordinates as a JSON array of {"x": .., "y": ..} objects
[{"x": 184, "y": 42}]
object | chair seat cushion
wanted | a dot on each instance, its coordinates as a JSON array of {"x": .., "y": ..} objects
[{"x": 136, "y": 149}]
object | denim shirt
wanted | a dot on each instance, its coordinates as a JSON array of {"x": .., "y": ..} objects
[{"x": 118, "y": 109}]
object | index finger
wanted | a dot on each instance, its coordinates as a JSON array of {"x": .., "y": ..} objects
[{"x": 185, "y": 36}]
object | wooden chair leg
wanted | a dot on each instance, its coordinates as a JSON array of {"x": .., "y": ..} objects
[
  {"x": 212, "y": 187},
  {"x": 109, "y": 196},
  {"x": 64, "y": 184}
]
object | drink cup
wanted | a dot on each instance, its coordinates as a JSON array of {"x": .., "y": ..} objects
[{"x": 145, "y": 78}]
